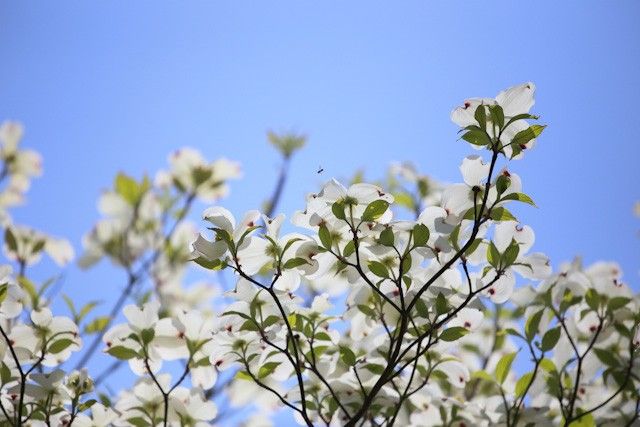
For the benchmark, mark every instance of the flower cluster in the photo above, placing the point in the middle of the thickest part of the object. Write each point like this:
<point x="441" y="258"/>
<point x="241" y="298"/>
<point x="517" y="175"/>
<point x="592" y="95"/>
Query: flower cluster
<point x="348" y="314"/>
<point x="18" y="167"/>
<point x="431" y="327"/>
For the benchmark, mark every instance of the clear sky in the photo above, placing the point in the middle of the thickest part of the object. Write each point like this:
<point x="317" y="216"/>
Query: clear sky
<point x="111" y="86"/>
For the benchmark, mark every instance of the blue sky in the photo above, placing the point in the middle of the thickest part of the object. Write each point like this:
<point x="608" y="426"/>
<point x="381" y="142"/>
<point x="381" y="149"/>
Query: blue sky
<point x="111" y="86"/>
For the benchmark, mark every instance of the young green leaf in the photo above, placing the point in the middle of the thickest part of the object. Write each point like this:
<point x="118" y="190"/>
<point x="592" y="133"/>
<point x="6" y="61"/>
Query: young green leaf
<point x="379" y="269"/>
<point x="10" y="240"/>
<point x="386" y="237"/>
<point x="325" y="236"/>
<point x="454" y="333"/>
<point x="493" y="255"/>
<point x="347" y="356"/>
<point x="420" y="235"/>
<point x="527" y="135"/>
<point x="520" y="197"/>
<point x="523" y="383"/>
<point x="57" y="346"/>
<point x="532" y="324"/>
<point x="592" y="299"/>
<point x="375" y="210"/>
<point x="497" y="115"/>
<point x="294" y="262"/>
<point x="550" y="339"/>
<point x="477" y="137"/>
<point x="122" y="353"/>
<point x="510" y="254"/>
<point x="147" y="335"/>
<point x="338" y="210"/>
<point x="504" y="366"/>
<point x="481" y="116"/>
<point x="266" y="369"/>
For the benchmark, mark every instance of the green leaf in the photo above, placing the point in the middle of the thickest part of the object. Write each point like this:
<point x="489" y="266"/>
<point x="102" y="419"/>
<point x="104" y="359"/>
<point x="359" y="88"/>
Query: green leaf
<point x="386" y="237"/>
<point x="592" y="299"/>
<point x="70" y="304"/>
<point x="289" y="243"/>
<point x="406" y="263"/>
<point x="3" y="292"/>
<point x="493" y="255"/>
<point x="607" y="357"/>
<point x="147" y="335"/>
<point x="122" y="353"/>
<point x="375" y="210"/>
<point x="504" y="366"/>
<point x="532" y="324"/>
<point x="420" y="235"/>
<point x="422" y="309"/>
<point x="10" y="240"/>
<point x="454" y="237"/>
<point x="375" y="368"/>
<point x="482" y="375"/>
<point x="138" y="422"/>
<point x="548" y="365"/>
<point x="523" y="116"/>
<point x="513" y="332"/>
<point x="481" y="116"/>
<point x="368" y="311"/>
<point x="510" y="254"/>
<point x="104" y="399"/>
<point x="294" y="262"/>
<point x="584" y="421"/>
<point x="473" y="247"/>
<point x="379" y="269"/>
<point x="550" y="339"/>
<point x="222" y="234"/>
<point x="477" y="137"/>
<point x="97" y="325"/>
<point x="520" y="197"/>
<point x="568" y="300"/>
<point x="497" y="115"/>
<point x="453" y="333"/>
<point x="441" y="304"/>
<point x="271" y="320"/>
<point x="347" y="356"/>
<point x="470" y="214"/>
<point x="267" y="369"/>
<point x="215" y="264"/>
<point x="128" y="188"/>
<point x="287" y="143"/>
<point x="242" y="375"/>
<point x="5" y="373"/>
<point x="86" y="309"/>
<point x="404" y="199"/>
<point x="322" y="336"/>
<point x="524" y="136"/>
<point x="30" y="289"/>
<point x="39" y="245"/>
<point x="338" y="210"/>
<point x="502" y="183"/>
<point x="349" y="248"/>
<point x="617" y="303"/>
<point x="523" y="383"/>
<point x="502" y="214"/>
<point x="515" y="150"/>
<point x="201" y="174"/>
<point x="86" y="404"/>
<point x="325" y="236"/>
<point x="57" y="346"/>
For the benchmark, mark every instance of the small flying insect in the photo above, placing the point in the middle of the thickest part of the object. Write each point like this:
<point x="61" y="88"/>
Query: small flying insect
<point x="320" y="170"/>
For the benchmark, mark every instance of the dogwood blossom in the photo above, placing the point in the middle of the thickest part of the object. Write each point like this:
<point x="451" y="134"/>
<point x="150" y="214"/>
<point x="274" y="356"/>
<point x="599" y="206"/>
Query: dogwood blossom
<point x="349" y="313"/>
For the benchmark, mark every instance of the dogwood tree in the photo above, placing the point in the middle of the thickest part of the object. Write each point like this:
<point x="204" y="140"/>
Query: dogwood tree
<point x="394" y="303"/>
